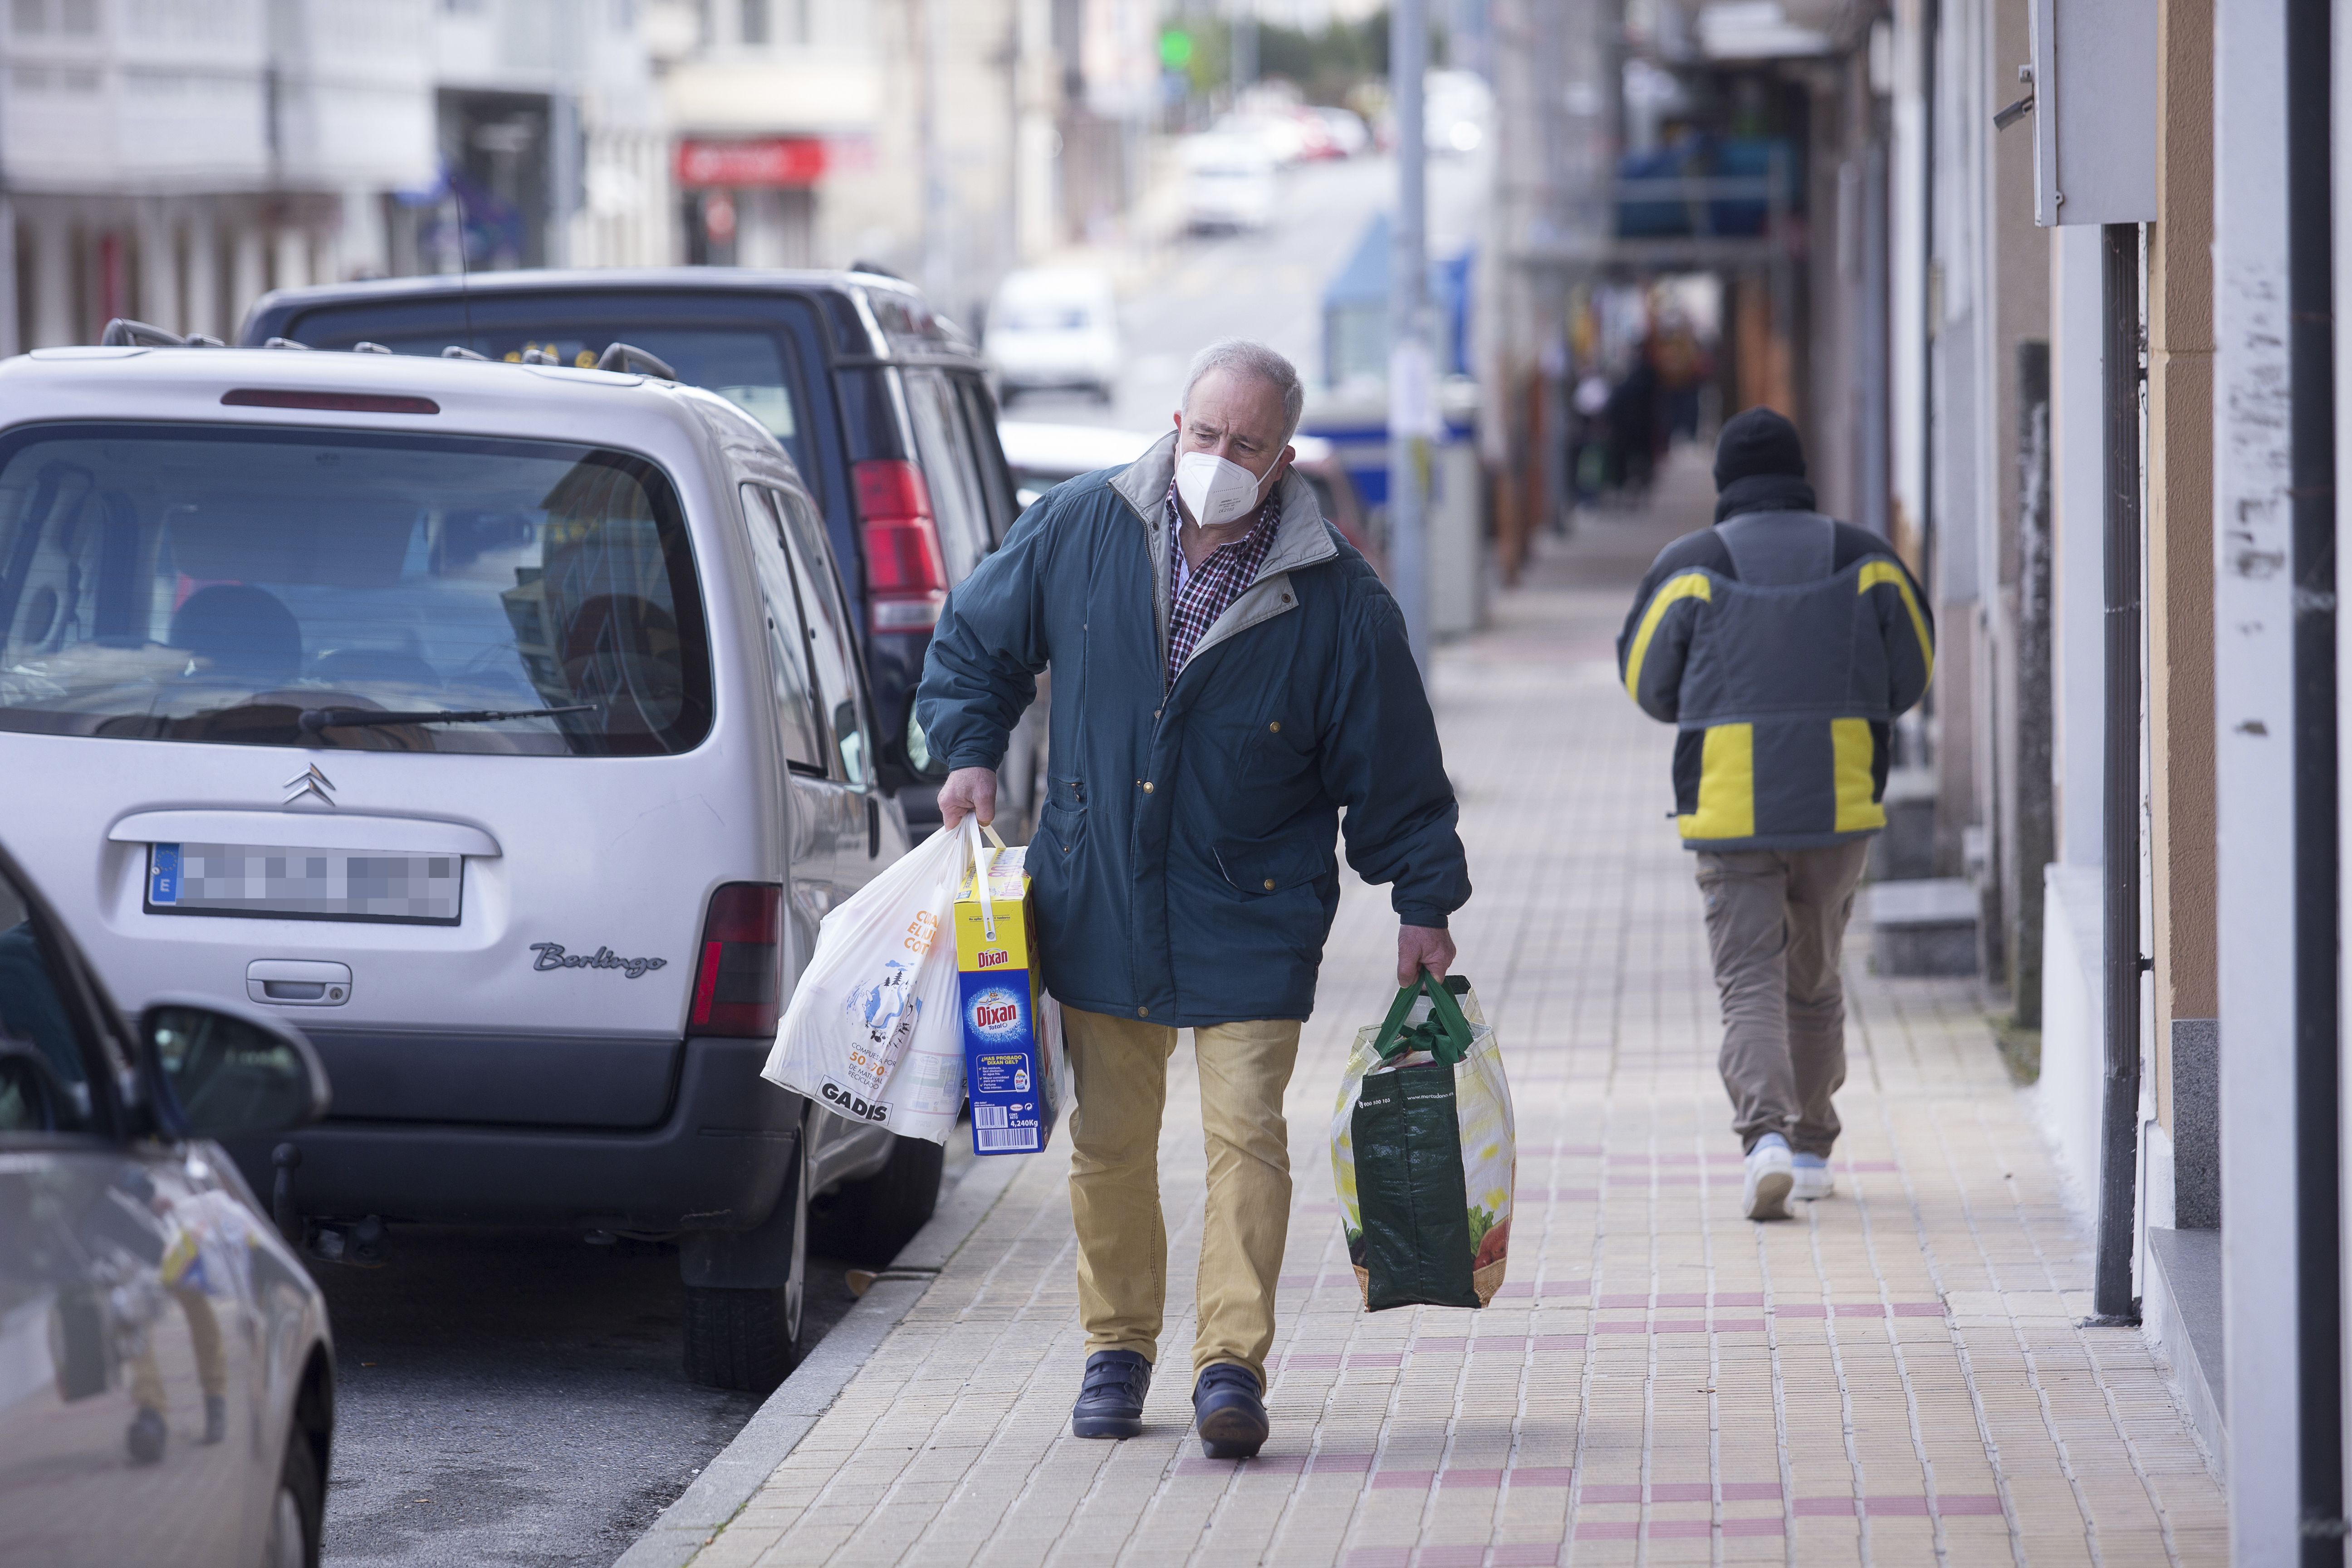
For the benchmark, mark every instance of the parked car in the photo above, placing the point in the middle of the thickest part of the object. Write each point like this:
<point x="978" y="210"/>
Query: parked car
<point x="1043" y="455"/>
<point x="1054" y="329"/>
<point x="1229" y="183"/>
<point x="1291" y="133"/>
<point x="882" y="406"/>
<point x="170" y="1393"/>
<point x="500" y="722"/>
<point x="1348" y="134"/>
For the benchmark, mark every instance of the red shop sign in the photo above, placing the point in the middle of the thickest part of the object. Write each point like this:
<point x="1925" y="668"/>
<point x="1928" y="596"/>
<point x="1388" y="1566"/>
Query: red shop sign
<point x="764" y="164"/>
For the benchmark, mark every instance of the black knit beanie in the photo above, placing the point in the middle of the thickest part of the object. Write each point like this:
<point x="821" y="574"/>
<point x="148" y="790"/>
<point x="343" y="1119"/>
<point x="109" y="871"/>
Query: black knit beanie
<point x="1758" y="441"/>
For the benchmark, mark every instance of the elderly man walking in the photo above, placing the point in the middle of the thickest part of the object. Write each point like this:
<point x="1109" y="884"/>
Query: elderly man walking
<point x="1784" y="644"/>
<point x="1228" y="674"/>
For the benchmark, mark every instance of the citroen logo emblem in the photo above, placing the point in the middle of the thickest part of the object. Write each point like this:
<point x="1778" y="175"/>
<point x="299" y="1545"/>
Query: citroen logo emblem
<point x="309" y="782"/>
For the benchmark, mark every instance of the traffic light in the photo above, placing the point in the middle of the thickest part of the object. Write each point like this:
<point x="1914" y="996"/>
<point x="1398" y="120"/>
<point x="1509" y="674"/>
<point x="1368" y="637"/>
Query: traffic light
<point x="1176" y="48"/>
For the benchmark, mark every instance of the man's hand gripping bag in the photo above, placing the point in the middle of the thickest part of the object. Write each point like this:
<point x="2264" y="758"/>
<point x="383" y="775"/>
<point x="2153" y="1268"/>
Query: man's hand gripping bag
<point x="873" y="1031"/>
<point x="1422" y="1152"/>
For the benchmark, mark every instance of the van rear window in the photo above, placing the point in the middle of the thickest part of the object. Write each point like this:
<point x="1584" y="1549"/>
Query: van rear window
<point x="343" y="589"/>
<point x="747" y="358"/>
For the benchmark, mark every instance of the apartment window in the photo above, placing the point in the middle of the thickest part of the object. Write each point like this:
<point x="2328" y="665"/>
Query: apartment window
<point x="755" y="20"/>
<point x="78" y="17"/>
<point x="28" y="15"/>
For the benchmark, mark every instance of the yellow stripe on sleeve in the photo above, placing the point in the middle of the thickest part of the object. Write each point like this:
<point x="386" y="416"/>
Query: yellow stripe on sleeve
<point x="1689" y="586"/>
<point x="1882" y="570"/>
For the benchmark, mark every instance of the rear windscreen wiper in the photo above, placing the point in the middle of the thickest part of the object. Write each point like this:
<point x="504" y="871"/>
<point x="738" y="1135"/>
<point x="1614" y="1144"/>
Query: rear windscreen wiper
<point x="314" y="720"/>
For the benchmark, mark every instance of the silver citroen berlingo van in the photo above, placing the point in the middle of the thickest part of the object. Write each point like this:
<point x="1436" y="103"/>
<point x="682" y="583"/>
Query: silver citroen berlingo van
<point x="499" y="724"/>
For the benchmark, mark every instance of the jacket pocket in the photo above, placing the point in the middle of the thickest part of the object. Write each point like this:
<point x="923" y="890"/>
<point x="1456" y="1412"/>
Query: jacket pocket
<point x="1062" y="826"/>
<point x="1688" y="746"/>
<point x="1258" y="868"/>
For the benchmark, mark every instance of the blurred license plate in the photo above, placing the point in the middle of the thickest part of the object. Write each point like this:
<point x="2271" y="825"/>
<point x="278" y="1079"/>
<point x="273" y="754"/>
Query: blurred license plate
<point x="292" y="883"/>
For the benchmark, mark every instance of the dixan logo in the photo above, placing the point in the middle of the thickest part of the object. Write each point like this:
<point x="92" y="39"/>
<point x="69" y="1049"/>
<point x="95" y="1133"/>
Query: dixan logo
<point x="996" y="960"/>
<point x="995" y="1013"/>
<point x="842" y="1100"/>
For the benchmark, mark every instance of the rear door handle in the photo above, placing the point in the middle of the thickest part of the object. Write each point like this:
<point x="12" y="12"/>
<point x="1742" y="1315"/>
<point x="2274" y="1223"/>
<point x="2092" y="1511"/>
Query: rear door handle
<point x="872" y="828"/>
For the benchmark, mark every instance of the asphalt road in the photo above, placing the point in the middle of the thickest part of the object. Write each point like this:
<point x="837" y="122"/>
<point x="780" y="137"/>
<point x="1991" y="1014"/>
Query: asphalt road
<point x="515" y="1398"/>
<point x="1267" y="286"/>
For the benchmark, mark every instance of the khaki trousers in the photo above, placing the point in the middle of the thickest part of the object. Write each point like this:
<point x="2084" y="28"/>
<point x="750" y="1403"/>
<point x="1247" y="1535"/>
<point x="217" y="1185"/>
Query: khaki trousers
<point x="1776" y="925"/>
<point x="205" y="1337"/>
<point x="1121" y="1070"/>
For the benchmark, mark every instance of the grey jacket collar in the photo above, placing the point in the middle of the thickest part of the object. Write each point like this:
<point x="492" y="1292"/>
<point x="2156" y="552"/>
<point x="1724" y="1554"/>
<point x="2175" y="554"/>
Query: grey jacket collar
<point x="1300" y="539"/>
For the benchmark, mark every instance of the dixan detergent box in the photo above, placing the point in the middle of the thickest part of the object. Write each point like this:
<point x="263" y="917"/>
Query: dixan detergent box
<point x="1012" y="1029"/>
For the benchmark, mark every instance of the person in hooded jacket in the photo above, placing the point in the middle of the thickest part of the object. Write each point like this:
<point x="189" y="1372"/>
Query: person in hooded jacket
<point x="1228" y="674"/>
<point x="1783" y="645"/>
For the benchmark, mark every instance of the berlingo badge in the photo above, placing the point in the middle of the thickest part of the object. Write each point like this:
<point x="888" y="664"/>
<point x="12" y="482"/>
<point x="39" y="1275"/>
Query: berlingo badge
<point x="552" y="957"/>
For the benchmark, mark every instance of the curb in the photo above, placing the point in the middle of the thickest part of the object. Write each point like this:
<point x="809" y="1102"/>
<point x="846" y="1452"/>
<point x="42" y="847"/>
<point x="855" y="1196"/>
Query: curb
<point x="775" y="1429"/>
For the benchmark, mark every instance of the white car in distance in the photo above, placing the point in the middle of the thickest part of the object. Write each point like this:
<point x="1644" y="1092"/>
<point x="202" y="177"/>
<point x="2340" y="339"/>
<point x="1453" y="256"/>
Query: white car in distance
<point x="1229" y="184"/>
<point x="1042" y="455"/>
<point x="1054" y="329"/>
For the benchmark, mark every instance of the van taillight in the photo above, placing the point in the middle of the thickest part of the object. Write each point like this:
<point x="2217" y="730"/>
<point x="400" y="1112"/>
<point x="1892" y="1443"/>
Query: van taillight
<point x="906" y="575"/>
<point x="738" y="986"/>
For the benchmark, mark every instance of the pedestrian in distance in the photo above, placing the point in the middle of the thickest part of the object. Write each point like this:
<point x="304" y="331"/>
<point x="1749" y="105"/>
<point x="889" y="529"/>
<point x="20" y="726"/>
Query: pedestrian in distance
<point x="1782" y="645"/>
<point x="1228" y="674"/>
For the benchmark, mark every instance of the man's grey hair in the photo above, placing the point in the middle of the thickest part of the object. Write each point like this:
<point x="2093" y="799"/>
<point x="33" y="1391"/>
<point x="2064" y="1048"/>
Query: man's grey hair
<point x="1244" y="357"/>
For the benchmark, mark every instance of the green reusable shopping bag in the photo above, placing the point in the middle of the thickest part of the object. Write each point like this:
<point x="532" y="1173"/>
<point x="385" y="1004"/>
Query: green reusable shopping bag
<point x="1413" y="1241"/>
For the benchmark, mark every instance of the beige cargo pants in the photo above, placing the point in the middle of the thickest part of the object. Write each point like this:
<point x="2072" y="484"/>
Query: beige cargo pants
<point x="1776" y="926"/>
<point x="1120" y="1066"/>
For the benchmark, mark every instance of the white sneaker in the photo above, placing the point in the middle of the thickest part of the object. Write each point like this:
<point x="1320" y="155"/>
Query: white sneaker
<point x="1814" y="1178"/>
<point x="1770" y="1175"/>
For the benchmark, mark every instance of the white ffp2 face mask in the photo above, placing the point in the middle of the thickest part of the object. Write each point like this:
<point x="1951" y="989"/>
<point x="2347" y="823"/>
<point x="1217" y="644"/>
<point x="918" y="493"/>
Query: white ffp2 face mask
<point x="1216" y="489"/>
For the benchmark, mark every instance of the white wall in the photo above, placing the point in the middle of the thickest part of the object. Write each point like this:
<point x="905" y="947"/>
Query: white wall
<point x="2077" y="567"/>
<point x="2074" y="1003"/>
<point x="1908" y="266"/>
<point x="2252" y="715"/>
<point x="2066" y="1100"/>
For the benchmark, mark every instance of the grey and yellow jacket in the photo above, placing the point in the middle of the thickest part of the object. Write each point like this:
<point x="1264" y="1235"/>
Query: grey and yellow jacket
<point x="1784" y="644"/>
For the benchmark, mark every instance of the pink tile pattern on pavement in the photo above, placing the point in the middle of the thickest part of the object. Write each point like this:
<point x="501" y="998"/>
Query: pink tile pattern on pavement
<point x="1894" y="1376"/>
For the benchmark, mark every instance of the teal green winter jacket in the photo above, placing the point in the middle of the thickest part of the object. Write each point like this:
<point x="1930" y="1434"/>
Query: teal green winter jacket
<point x="1784" y="644"/>
<point x="1185" y="864"/>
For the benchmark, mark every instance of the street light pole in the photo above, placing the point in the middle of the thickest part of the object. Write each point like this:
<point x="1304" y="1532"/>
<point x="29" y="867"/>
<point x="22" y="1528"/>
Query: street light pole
<point x="939" y="257"/>
<point x="1412" y="393"/>
<point x="1244" y="48"/>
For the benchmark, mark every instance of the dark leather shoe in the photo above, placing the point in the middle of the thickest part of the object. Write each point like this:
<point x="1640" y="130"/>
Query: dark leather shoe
<point x="1110" y="1399"/>
<point x="1230" y="1410"/>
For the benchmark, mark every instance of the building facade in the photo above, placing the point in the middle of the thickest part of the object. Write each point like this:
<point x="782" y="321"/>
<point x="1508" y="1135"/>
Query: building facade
<point x="169" y="160"/>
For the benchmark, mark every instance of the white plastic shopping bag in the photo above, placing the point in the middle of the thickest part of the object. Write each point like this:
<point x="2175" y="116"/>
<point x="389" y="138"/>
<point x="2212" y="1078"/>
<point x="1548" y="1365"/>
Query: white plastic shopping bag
<point x="873" y="1031"/>
<point x="1424" y="1152"/>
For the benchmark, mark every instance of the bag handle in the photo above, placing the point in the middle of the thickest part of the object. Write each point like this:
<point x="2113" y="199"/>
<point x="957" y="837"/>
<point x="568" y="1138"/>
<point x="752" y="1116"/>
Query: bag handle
<point x="971" y="830"/>
<point x="1445" y="1034"/>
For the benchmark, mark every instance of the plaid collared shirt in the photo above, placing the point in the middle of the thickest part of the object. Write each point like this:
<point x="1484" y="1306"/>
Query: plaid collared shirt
<point x="1201" y="593"/>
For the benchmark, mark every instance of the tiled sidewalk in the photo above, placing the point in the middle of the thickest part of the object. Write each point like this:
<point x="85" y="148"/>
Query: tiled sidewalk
<point x="1894" y="1377"/>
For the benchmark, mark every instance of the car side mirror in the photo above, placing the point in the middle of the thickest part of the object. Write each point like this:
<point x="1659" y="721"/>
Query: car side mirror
<point x="213" y="1072"/>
